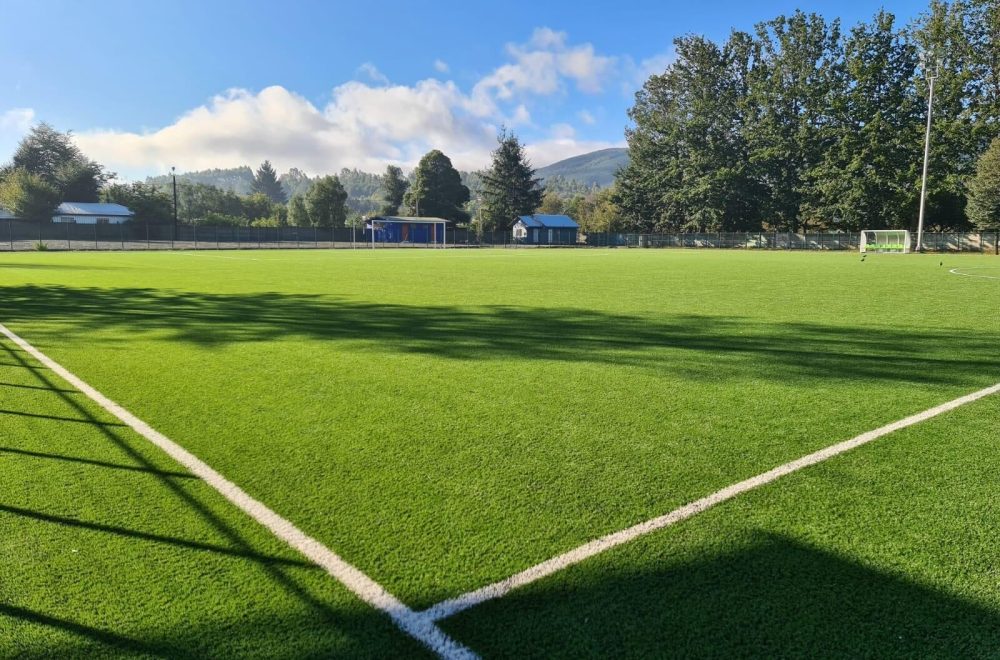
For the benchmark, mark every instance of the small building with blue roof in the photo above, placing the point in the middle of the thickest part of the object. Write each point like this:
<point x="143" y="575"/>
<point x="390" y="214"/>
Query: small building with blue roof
<point x="539" y="229"/>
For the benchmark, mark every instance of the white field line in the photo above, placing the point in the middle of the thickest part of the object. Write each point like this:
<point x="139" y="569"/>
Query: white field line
<point x="455" y="605"/>
<point x="416" y="625"/>
<point x="956" y="271"/>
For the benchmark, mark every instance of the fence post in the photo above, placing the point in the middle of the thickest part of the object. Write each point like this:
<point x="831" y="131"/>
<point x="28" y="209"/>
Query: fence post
<point x="121" y="234"/>
<point x="196" y="237"/>
<point x="69" y="244"/>
<point x="217" y="237"/>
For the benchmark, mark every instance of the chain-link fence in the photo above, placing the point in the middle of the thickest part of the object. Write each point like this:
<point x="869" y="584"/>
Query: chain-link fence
<point x="938" y="242"/>
<point x="17" y="235"/>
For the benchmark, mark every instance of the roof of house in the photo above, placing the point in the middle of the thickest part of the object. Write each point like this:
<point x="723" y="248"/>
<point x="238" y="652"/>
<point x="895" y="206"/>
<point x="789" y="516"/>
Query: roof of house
<point x="86" y="208"/>
<point x="549" y="221"/>
<point x="6" y="215"/>
<point x="409" y="219"/>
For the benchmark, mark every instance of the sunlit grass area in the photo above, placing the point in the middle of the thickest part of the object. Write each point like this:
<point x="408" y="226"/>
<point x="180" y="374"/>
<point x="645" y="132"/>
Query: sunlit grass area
<point x="443" y="419"/>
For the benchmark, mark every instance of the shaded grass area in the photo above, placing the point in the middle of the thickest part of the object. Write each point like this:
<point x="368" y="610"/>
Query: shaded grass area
<point x="888" y="551"/>
<point x="110" y="550"/>
<point x="498" y="332"/>
<point x="444" y="420"/>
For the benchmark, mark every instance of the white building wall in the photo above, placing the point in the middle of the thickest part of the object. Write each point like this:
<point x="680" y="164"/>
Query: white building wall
<point x="90" y="219"/>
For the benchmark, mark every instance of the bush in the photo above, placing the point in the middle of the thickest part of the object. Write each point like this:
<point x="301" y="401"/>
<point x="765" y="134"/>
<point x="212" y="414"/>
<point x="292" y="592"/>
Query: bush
<point x="41" y="247"/>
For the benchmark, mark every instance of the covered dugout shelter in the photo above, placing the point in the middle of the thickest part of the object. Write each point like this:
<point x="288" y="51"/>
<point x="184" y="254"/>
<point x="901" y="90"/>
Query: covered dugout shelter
<point x="407" y="230"/>
<point x="545" y="230"/>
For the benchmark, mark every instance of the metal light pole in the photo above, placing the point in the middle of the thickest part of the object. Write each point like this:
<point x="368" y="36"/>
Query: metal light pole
<point x="173" y="174"/>
<point x="931" y="77"/>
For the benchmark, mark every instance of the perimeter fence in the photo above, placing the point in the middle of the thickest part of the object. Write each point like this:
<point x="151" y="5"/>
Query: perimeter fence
<point x="22" y="236"/>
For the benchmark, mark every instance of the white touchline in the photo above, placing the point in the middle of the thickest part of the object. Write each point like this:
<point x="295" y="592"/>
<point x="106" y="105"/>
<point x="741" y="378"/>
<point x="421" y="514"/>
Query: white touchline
<point x="455" y="605"/>
<point x="417" y="625"/>
<point x="956" y="271"/>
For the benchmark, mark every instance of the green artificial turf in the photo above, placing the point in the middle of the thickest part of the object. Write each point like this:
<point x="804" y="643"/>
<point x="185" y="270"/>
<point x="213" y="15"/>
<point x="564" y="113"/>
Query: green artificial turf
<point x="445" y="419"/>
<point x="109" y="549"/>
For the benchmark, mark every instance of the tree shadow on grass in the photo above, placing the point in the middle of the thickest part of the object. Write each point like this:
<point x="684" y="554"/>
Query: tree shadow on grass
<point x="688" y="345"/>
<point x="775" y="597"/>
<point x="315" y="628"/>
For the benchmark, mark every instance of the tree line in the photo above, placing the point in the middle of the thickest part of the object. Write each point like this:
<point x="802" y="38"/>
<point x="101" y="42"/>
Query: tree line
<point x="797" y="125"/>
<point x="802" y="125"/>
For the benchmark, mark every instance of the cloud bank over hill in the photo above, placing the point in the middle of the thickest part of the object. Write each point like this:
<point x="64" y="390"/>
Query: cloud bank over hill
<point x="369" y="123"/>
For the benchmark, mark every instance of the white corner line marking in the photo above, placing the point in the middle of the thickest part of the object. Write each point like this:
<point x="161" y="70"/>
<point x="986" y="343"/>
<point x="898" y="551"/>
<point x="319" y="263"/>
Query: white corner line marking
<point x="416" y="625"/>
<point x="453" y="606"/>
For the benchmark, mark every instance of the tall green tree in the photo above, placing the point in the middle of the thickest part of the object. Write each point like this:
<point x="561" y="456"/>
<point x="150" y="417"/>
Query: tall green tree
<point x="53" y="157"/>
<point x="394" y="186"/>
<point x="298" y="214"/>
<point x="942" y="35"/>
<point x="326" y="203"/>
<point x="28" y="196"/>
<point x="689" y="163"/>
<point x="265" y="182"/>
<point x="792" y="88"/>
<point x="867" y="175"/>
<point x="437" y="189"/>
<point x="984" y="190"/>
<point x="510" y="188"/>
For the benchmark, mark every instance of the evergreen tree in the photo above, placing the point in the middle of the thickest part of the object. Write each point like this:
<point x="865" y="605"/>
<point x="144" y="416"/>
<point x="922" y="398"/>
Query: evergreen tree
<point x="957" y="137"/>
<point x="52" y="156"/>
<point x="510" y="188"/>
<point x="791" y="90"/>
<point x="325" y="202"/>
<point x="298" y="214"/>
<point x="437" y="189"/>
<point x="984" y="190"/>
<point x="394" y="186"/>
<point x="867" y="174"/>
<point x="265" y="182"/>
<point x="689" y="164"/>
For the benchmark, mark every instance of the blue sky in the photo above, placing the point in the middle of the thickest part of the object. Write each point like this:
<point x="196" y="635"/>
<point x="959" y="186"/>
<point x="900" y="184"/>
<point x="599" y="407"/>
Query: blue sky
<point x="323" y="85"/>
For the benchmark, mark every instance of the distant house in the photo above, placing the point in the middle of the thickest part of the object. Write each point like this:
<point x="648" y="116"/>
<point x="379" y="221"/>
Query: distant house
<point x="404" y="229"/>
<point x="545" y="230"/>
<point x="85" y="213"/>
<point x="6" y="215"/>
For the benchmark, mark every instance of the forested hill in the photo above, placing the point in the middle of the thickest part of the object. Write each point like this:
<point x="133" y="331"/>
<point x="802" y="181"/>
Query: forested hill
<point x="596" y="168"/>
<point x="576" y="174"/>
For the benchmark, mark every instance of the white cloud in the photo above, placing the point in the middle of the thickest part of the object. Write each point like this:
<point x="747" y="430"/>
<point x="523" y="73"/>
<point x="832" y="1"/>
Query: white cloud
<point x="540" y="66"/>
<point x="14" y="124"/>
<point x="563" y="132"/>
<point x="370" y="70"/>
<point x="587" y="117"/>
<point x="367" y="123"/>
<point x="441" y="66"/>
<point x="17" y="120"/>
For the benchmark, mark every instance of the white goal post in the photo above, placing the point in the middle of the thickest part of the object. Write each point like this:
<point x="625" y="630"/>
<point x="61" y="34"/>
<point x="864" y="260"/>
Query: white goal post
<point x="885" y="240"/>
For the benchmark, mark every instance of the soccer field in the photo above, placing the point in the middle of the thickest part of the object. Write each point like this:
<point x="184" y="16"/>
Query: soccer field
<point x="444" y="420"/>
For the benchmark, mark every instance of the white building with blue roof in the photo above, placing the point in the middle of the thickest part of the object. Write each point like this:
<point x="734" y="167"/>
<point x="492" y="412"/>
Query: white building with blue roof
<point x="539" y="229"/>
<point x="86" y="213"/>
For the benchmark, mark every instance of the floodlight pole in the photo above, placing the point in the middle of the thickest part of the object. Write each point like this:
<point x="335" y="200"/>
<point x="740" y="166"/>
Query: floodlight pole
<point x="927" y="158"/>
<point x="173" y="174"/>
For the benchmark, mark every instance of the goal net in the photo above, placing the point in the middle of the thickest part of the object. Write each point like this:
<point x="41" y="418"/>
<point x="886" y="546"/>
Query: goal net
<point x="885" y="240"/>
